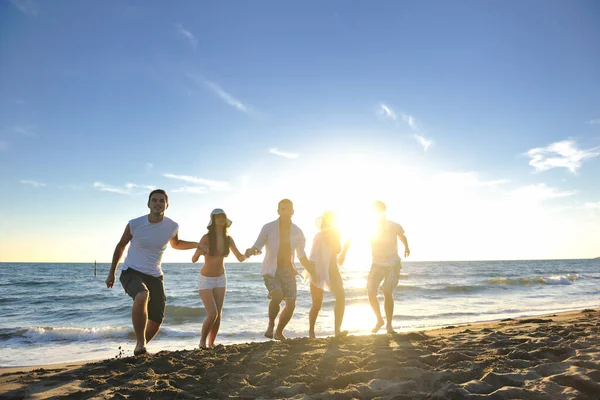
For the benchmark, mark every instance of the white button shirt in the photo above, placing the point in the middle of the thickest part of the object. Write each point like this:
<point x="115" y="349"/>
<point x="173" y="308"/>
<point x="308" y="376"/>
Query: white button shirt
<point x="269" y="238"/>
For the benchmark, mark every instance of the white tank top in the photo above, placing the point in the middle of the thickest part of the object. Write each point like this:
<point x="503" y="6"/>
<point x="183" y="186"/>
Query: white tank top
<point x="148" y="244"/>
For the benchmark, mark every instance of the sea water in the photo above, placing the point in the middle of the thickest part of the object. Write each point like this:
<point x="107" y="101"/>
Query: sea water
<point x="53" y="313"/>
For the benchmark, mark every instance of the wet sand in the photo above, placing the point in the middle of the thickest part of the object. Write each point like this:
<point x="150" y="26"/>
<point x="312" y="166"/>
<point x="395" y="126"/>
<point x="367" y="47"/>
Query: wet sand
<point x="550" y="357"/>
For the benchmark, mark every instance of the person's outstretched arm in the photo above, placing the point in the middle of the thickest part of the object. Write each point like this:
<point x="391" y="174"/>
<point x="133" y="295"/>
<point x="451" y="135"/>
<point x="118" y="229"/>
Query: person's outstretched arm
<point x="125" y="239"/>
<point x="301" y="254"/>
<point x="201" y="250"/>
<point x="342" y="255"/>
<point x="235" y="250"/>
<point x="179" y="244"/>
<point x="259" y="244"/>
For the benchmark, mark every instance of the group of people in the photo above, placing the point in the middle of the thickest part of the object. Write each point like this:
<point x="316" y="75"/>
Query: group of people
<point x="142" y="277"/>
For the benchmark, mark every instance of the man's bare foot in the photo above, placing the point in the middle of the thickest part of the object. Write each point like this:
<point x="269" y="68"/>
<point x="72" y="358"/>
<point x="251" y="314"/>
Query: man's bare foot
<point x="311" y="335"/>
<point x="378" y="326"/>
<point x="390" y="330"/>
<point x="202" y="345"/>
<point x="279" y="336"/>
<point x="341" y="334"/>
<point x="269" y="332"/>
<point x="139" y="351"/>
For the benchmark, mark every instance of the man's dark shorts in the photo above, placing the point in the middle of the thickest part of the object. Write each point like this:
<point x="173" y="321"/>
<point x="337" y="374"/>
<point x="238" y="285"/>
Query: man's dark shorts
<point x="284" y="280"/>
<point x="134" y="282"/>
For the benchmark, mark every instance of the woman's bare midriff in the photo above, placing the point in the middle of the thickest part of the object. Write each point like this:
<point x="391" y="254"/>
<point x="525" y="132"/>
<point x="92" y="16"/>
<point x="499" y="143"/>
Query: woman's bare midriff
<point x="213" y="266"/>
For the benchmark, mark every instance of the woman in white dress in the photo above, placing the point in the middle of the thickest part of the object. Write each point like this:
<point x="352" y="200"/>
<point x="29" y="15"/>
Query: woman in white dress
<point x="326" y="275"/>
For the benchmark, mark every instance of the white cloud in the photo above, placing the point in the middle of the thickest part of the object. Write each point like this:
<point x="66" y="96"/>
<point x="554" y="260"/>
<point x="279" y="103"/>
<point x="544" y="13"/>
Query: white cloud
<point x="226" y="97"/>
<point x="410" y="120"/>
<point x="563" y="154"/>
<point x="188" y="35"/>
<point x="594" y="121"/>
<point x="538" y="193"/>
<point x="27" y="7"/>
<point x="593" y="206"/>
<point x="387" y="112"/>
<point x="24" y="130"/>
<point x="3" y="145"/>
<point x="223" y="95"/>
<point x="128" y="188"/>
<point x="191" y="189"/>
<point x="207" y="183"/>
<point x="283" y="153"/>
<point x="33" y="183"/>
<point x="465" y="179"/>
<point x="424" y="142"/>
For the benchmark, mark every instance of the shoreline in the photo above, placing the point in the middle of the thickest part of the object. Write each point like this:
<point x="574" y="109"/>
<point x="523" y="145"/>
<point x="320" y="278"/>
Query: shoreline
<point x="444" y="329"/>
<point x="555" y="355"/>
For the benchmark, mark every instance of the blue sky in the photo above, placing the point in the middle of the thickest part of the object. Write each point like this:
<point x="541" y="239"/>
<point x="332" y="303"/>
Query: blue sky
<point x="478" y="123"/>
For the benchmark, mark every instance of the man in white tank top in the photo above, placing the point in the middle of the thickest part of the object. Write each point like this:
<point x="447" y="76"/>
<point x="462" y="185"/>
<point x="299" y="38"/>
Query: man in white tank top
<point x="386" y="266"/>
<point x="142" y="275"/>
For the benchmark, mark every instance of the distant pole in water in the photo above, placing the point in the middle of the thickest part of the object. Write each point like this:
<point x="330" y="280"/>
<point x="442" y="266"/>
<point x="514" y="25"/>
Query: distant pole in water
<point x="94" y="267"/>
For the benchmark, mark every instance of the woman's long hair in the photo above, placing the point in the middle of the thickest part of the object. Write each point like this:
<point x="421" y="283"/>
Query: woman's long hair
<point x="212" y="239"/>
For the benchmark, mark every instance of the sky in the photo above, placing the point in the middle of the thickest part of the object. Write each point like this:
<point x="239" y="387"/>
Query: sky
<point x="476" y="122"/>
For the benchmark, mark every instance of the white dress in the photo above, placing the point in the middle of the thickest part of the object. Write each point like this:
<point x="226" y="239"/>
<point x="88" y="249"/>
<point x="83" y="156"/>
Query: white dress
<point x="320" y="254"/>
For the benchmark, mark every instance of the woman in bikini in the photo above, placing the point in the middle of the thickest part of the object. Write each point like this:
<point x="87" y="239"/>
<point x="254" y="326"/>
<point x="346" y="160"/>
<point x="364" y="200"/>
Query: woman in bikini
<point x="326" y="276"/>
<point x="212" y="281"/>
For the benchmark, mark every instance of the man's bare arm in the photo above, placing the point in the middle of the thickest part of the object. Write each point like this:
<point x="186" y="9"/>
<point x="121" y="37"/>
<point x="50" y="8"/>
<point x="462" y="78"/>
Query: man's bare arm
<point x="404" y="241"/>
<point x="179" y="244"/>
<point x="259" y="244"/>
<point x="307" y="264"/>
<point x="119" y="249"/>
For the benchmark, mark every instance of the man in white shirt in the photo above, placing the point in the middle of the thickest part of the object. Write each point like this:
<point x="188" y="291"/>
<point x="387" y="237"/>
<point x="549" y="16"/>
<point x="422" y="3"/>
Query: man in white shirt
<point x="142" y="275"/>
<point x="281" y="238"/>
<point x="386" y="265"/>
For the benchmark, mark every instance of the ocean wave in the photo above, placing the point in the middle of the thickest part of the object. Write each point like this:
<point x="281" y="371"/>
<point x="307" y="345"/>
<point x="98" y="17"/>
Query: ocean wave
<point x="41" y="334"/>
<point x="183" y="312"/>
<point x="47" y="334"/>
<point x="538" y="280"/>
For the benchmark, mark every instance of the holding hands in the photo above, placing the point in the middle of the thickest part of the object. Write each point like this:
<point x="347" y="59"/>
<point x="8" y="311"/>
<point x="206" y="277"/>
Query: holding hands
<point x="252" y="252"/>
<point x="203" y="248"/>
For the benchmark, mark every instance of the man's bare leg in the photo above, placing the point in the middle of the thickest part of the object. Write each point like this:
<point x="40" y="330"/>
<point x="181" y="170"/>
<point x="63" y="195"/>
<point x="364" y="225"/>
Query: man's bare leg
<point x="374" y="302"/>
<point x="389" y="309"/>
<point x="274" y="306"/>
<point x="284" y="318"/>
<point x="139" y="318"/>
<point x="152" y="328"/>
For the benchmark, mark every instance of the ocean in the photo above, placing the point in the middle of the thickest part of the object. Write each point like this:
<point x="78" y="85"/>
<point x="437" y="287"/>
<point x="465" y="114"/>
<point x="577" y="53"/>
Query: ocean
<point x="54" y="313"/>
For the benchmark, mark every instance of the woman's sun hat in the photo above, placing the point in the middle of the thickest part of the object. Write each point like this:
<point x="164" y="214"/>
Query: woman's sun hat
<point x="328" y="216"/>
<point x="218" y="211"/>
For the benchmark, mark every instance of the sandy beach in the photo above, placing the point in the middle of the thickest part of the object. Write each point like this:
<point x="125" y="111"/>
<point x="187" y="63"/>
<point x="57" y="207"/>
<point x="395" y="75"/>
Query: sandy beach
<point x="550" y="357"/>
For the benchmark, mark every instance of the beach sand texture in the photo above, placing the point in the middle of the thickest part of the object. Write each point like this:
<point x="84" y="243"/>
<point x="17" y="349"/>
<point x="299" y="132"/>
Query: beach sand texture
<point x="551" y="357"/>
